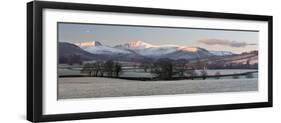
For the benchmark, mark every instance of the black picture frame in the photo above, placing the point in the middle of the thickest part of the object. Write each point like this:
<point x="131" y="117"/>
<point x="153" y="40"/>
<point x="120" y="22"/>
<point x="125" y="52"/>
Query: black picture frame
<point x="34" y="60"/>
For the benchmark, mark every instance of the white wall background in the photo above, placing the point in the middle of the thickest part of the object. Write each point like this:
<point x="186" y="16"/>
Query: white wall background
<point x="13" y="61"/>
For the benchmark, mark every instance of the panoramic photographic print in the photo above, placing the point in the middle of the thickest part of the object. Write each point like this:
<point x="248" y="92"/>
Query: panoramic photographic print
<point x="103" y="60"/>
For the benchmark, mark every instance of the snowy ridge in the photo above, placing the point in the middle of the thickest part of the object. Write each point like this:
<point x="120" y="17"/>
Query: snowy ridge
<point x="150" y="50"/>
<point x="88" y="44"/>
<point x="105" y="50"/>
<point x="96" y="47"/>
<point x="221" y="53"/>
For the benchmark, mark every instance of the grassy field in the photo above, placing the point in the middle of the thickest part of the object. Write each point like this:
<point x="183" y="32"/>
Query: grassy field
<point x="93" y="87"/>
<point x="141" y="73"/>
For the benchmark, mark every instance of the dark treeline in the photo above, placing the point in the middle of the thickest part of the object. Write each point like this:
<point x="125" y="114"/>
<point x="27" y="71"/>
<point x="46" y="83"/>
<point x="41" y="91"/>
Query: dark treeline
<point x="221" y="65"/>
<point x="162" y="69"/>
<point x="167" y="69"/>
<point x="102" y="68"/>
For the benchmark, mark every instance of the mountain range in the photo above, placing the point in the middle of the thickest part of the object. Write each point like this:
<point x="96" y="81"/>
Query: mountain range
<point x="136" y="50"/>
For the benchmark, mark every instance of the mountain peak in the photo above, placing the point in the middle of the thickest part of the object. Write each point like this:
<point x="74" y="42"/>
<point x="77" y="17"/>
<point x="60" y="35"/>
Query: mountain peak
<point x="221" y="53"/>
<point x="188" y="48"/>
<point x="88" y="44"/>
<point x="138" y="44"/>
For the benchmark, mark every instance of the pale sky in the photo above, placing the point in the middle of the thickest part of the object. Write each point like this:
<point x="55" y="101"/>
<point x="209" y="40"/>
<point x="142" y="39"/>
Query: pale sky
<point x="111" y="35"/>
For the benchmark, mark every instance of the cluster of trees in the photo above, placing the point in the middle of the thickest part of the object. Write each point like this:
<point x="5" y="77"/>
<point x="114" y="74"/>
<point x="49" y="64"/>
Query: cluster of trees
<point x="221" y="65"/>
<point x="166" y="69"/>
<point x="163" y="69"/>
<point x="101" y="68"/>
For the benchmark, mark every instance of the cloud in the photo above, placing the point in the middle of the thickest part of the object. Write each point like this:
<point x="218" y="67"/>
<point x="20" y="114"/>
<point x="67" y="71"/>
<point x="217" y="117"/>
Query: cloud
<point x="214" y="41"/>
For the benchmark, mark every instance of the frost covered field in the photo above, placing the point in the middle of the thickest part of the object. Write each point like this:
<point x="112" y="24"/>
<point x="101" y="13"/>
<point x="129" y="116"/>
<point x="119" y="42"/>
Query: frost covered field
<point x="90" y="87"/>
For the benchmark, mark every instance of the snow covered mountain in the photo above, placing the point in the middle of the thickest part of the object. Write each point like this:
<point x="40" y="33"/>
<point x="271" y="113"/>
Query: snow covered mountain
<point x="139" y="49"/>
<point x="221" y="53"/>
<point x="88" y="44"/>
<point x="164" y="51"/>
<point x="69" y="51"/>
<point x="146" y="49"/>
<point x="96" y="47"/>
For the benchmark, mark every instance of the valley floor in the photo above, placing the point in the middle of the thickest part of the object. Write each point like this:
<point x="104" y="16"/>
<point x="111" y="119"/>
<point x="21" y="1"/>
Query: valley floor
<point x="93" y="87"/>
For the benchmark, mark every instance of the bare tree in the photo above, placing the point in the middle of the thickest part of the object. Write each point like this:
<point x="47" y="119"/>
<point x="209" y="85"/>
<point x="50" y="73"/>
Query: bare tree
<point x="248" y="63"/>
<point x="145" y="66"/>
<point x="117" y="69"/>
<point x="108" y="68"/>
<point x="204" y="74"/>
<point x="88" y="68"/>
<point x="96" y="69"/>
<point x="100" y="68"/>
<point x="180" y="67"/>
<point x="191" y="72"/>
<point x="163" y="68"/>
<point x="217" y="74"/>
